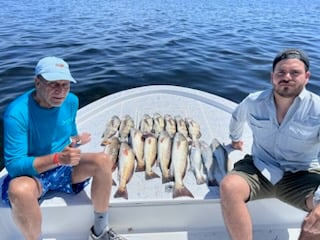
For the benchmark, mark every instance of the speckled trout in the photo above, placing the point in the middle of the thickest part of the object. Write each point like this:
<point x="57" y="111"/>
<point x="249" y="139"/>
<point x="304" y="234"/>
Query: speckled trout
<point x="196" y="164"/>
<point x="221" y="159"/>
<point x="208" y="162"/>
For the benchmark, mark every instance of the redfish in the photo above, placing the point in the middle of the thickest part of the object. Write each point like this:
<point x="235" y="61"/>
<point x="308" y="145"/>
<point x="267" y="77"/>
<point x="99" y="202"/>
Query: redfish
<point x="125" y="169"/>
<point x="179" y="163"/>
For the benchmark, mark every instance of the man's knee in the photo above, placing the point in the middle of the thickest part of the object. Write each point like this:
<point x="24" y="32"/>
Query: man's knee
<point x="103" y="161"/>
<point x="23" y="188"/>
<point x="233" y="184"/>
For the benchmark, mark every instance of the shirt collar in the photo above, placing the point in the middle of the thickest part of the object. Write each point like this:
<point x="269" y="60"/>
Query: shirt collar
<point x="303" y="94"/>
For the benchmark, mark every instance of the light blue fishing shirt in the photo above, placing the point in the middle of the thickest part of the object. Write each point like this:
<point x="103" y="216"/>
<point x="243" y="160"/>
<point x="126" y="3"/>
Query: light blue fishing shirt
<point x="292" y="145"/>
<point x="31" y="131"/>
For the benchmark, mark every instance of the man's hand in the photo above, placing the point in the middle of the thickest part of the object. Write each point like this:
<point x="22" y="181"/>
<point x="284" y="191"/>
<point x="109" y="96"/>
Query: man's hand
<point x="81" y="139"/>
<point x="310" y="229"/>
<point x="70" y="156"/>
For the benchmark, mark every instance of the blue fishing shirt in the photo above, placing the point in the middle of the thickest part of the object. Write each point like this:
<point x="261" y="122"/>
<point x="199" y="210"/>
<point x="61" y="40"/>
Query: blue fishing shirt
<point x="31" y="131"/>
<point x="292" y="145"/>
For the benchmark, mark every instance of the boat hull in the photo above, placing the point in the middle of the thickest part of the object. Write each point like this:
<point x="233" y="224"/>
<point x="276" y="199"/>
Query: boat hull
<point x="151" y="212"/>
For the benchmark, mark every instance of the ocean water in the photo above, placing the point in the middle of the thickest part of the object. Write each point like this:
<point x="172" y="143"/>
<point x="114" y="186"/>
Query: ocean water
<point x="224" y="47"/>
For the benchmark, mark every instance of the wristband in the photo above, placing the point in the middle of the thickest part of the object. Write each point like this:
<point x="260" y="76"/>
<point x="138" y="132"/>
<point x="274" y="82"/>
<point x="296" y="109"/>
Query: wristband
<point x="56" y="159"/>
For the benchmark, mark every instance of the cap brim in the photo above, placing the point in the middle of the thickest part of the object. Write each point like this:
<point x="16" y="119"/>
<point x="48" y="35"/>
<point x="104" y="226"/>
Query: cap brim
<point x="57" y="77"/>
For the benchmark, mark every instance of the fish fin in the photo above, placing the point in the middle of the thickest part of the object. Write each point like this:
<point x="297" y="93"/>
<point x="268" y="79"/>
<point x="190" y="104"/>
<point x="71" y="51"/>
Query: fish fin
<point x="151" y="175"/>
<point x="182" y="192"/>
<point x="114" y="166"/>
<point x="121" y="193"/>
<point x="145" y="135"/>
<point x="114" y="182"/>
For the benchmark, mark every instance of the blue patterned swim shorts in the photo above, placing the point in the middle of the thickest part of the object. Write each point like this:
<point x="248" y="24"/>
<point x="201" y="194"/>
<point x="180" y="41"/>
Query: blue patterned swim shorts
<point x="58" y="179"/>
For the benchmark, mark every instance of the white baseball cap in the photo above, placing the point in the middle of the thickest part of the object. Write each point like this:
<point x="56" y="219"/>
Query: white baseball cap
<point x="54" y="69"/>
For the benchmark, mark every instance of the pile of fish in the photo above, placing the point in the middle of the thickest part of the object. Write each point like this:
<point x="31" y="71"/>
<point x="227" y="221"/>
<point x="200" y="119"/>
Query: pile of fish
<point x="170" y="143"/>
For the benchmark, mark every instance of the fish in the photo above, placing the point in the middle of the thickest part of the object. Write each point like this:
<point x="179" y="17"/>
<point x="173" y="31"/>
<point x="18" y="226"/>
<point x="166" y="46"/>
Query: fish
<point x="149" y="155"/>
<point x="137" y="144"/>
<point x="193" y="129"/>
<point x="208" y="162"/>
<point x="221" y="160"/>
<point x="170" y="125"/>
<point x="125" y="169"/>
<point x="112" y="150"/>
<point x="124" y="129"/>
<point x="111" y="130"/>
<point x="164" y="155"/>
<point x="146" y="124"/>
<point x="158" y="124"/>
<point x="196" y="164"/>
<point x="179" y="163"/>
<point x="112" y="146"/>
<point x="181" y="126"/>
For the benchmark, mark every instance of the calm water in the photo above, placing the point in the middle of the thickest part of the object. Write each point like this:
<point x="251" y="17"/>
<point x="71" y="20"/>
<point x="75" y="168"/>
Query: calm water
<point x="219" y="46"/>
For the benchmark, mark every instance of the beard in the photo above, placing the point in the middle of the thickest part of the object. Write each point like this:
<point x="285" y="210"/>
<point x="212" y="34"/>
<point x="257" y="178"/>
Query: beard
<point x="288" y="91"/>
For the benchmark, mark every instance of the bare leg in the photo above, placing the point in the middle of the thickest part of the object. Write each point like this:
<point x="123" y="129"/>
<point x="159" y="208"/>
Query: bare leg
<point x="98" y="166"/>
<point x="234" y="191"/>
<point x="310" y="232"/>
<point x="24" y="193"/>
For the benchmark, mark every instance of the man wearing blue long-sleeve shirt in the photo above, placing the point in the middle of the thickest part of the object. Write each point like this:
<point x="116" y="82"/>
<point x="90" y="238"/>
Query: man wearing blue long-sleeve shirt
<point x="40" y="135"/>
<point x="285" y="122"/>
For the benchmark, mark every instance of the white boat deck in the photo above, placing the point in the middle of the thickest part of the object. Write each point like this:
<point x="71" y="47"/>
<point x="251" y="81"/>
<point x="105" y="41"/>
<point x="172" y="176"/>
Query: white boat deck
<point x="150" y="211"/>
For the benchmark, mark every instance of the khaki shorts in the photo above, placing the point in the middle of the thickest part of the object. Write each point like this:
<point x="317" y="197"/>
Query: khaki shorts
<point x="293" y="188"/>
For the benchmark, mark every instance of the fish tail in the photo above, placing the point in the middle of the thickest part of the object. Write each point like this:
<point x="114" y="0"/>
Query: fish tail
<point x="213" y="183"/>
<point x="140" y="168"/>
<point x="182" y="192"/>
<point x="121" y="193"/>
<point x="166" y="179"/>
<point x="201" y="180"/>
<point x="151" y="175"/>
